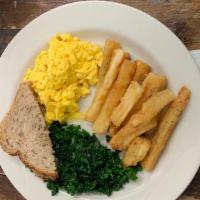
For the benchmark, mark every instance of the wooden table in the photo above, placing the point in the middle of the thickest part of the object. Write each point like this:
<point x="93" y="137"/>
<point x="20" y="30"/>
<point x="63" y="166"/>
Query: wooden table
<point x="181" y="16"/>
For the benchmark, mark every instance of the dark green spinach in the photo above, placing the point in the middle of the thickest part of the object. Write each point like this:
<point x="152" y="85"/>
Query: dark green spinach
<point x="84" y="165"/>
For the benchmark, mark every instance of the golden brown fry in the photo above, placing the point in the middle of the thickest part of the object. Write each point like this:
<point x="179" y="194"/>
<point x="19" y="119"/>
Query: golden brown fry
<point x="152" y="107"/>
<point x="166" y="127"/>
<point x="102" y="92"/>
<point x="130" y="98"/>
<point x="119" y="87"/>
<point x="136" y="152"/>
<point x="141" y="72"/>
<point x="123" y="138"/>
<point x="110" y="46"/>
<point x="152" y="84"/>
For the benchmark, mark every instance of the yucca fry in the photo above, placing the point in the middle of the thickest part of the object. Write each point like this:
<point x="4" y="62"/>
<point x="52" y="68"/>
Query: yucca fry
<point x="153" y="83"/>
<point x="165" y="128"/>
<point x="126" y="73"/>
<point x="136" y="151"/>
<point x="141" y="71"/>
<point x="122" y="139"/>
<point x="152" y="107"/>
<point x="130" y="98"/>
<point x="110" y="46"/>
<point x="102" y="92"/>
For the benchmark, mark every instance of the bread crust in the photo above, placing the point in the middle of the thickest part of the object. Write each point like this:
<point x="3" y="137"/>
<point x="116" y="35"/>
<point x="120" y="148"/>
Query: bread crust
<point x="44" y="174"/>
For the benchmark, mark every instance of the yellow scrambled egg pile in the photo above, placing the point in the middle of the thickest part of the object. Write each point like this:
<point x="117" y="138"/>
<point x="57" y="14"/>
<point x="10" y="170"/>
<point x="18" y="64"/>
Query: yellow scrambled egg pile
<point x="63" y="74"/>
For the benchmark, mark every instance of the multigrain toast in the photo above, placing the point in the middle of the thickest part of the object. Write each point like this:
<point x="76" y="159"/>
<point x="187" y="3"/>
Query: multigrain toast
<point x="23" y="132"/>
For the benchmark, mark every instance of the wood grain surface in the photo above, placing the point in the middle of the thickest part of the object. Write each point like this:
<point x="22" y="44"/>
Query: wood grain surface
<point x="7" y="191"/>
<point x="1" y="171"/>
<point x="181" y="16"/>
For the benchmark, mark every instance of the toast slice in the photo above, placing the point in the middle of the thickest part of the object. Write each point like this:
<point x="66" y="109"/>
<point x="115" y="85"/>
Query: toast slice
<point x="23" y="132"/>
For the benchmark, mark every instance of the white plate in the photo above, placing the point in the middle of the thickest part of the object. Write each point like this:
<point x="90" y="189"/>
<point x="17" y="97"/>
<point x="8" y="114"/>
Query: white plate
<point x="145" y="38"/>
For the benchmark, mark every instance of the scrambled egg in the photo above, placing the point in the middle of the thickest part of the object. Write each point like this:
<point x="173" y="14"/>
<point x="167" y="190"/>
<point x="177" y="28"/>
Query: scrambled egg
<point x="63" y="74"/>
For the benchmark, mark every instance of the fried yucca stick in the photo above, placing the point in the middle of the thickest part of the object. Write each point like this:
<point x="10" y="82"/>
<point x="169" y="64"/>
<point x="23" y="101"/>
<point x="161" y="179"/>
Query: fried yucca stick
<point x="152" y="107"/>
<point x="102" y="92"/>
<point x="126" y="134"/>
<point x="126" y="73"/>
<point x="110" y="46"/>
<point x="141" y="72"/>
<point x="166" y="127"/>
<point x="136" y="151"/>
<point x="151" y="84"/>
<point x="127" y="102"/>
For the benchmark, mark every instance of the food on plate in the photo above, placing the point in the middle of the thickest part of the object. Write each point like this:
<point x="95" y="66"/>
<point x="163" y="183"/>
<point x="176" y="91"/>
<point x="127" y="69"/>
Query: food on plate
<point x="122" y="139"/>
<point x="151" y="84"/>
<point x="129" y="114"/>
<point x="136" y="152"/>
<point x="166" y="127"/>
<point x="62" y="74"/>
<point x="118" y="89"/>
<point x="102" y="92"/>
<point x="141" y="72"/>
<point x="131" y="102"/>
<point x="152" y="107"/>
<point x="131" y="97"/>
<point x="84" y="165"/>
<point x="143" y="119"/>
<point x="24" y="133"/>
<point x="109" y="47"/>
